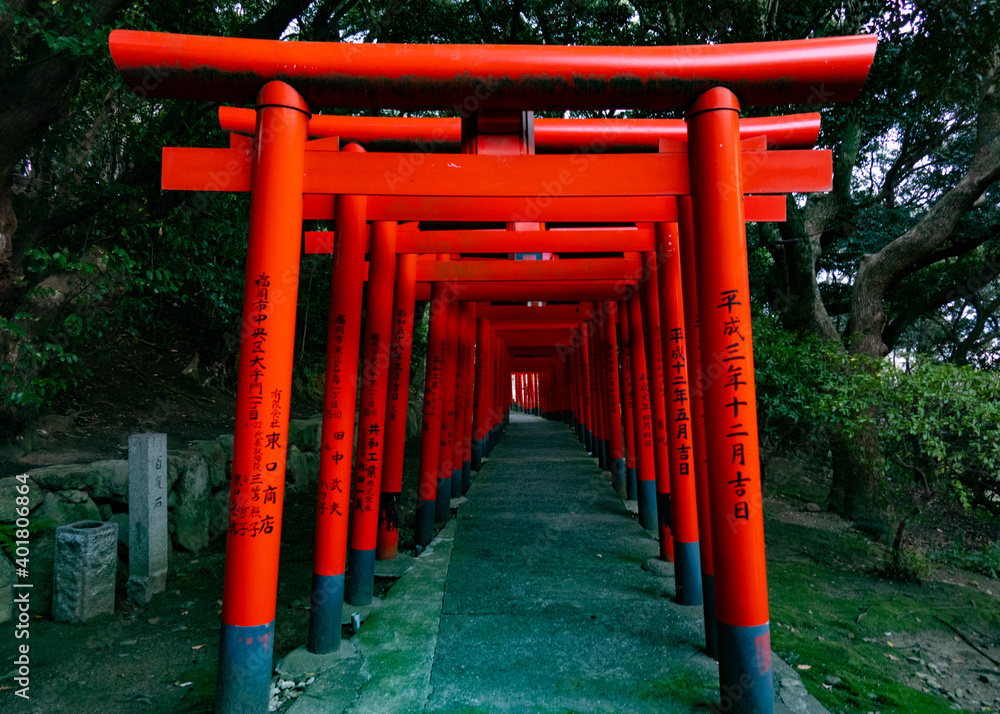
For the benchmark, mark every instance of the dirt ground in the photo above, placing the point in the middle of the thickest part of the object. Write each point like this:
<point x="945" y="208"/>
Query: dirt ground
<point x="855" y="637"/>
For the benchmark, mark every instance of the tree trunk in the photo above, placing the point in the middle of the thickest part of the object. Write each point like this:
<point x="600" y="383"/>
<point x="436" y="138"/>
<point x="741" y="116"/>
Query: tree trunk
<point x="859" y="490"/>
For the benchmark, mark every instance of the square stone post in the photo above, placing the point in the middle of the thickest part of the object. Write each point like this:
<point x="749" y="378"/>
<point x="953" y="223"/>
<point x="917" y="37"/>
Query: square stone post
<point x="148" y="541"/>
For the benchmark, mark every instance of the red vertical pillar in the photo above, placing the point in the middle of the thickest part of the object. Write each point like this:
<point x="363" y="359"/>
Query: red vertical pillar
<point x="338" y="424"/>
<point x="267" y="342"/>
<point x="397" y="406"/>
<point x="588" y="402"/>
<point x="625" y="383"/>
<point x="458" y="429"/>
<point x="700" y="465"/>
<point x="480" y="426"/>
<point x="730" y="403"/>
<point x="446" y="455"/>
<point x="360" y="577"/>
<point x="677" y="399"/>
<point x="600" y="393"/>
<point x="642" y="418"/>
<point x="468" y="384"/>
<point x="654" y="368"/>
<point x="430" y="441"/>
<point x="616" y="453"/>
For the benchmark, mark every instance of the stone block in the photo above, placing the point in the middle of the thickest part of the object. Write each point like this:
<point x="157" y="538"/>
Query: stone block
<point x="60" y="477"/>
<point x="218" y="520"/>
<point x="305" y="433"/>
<point x="112" y="481"/>
<point x="296" y="469"/>
<point x="43" y="549"/>
<point x="9" y="492"/>
<point x="8" y="576"/>
<point x="122" y="520"/>
<point x="86" y="562"/>
<point x="215" y="457"/>
<point x="148" y="542"/>
<point x="65" y="507"/>
<point x="192" y="509"/>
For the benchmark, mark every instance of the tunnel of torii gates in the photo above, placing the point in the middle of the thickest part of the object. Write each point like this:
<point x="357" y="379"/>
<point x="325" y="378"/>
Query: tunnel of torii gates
<point x="592" y="271"/>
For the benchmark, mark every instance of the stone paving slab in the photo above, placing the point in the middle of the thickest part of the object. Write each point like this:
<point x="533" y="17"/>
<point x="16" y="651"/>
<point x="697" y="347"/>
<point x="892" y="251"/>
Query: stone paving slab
<point x="512" y="610"/>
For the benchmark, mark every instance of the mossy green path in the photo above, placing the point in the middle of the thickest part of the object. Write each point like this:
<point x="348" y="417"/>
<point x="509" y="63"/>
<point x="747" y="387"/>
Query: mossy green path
<point x="534" y="599"/>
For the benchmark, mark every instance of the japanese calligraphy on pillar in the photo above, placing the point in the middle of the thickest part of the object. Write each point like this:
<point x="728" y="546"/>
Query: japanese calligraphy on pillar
<point x="396" y="344"/>
<point x="369" y="460"/>
<point x="735" y="364"/>
<point x="677" y="393"/>
<point x="253" y="496"/>
<point x="336" y="450"/>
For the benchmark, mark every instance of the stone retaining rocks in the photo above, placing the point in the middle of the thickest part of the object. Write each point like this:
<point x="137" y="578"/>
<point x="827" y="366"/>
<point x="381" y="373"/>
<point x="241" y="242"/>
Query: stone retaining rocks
<point x="197" y="498"/>
<point x="8" y="493"/>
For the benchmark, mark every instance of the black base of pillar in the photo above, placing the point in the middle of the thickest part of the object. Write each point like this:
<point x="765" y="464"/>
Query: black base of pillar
<point x="646" y="493"/>
<point x="466" y="476"/>
<point x="359" y="582"/>
<point x="631" y="491"/>
<point x="745" y="678"/>
<point x="477" y="455"/>
<point x="687" y="571"/>
<point x="423" y="522"/>
<point x="325" y="612"/>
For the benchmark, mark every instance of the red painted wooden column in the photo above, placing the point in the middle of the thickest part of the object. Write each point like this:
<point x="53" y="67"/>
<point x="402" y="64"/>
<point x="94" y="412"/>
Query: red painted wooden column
<point x="700" y="463"/>
<point x="730" y="403"/>
<point x="397" y="406"/>
<point x="469" y="377"/>
<point x="625" y="384"/>
<point x="337" y="440"/>
<point x="588" y="402"/>
<point x="642" y="418"/>
<point x="375" y="347"/>
<point x="677" y="398"/>
<point x="654" y="368"/>
<point x="616" y="454"/>
<point x="446" y="453"/>
<point x="458" y="430"/>
<point x="600" y="386"/>
<point x="430" y="441"/>
<point x="480" y="407"/>
<point x="263" y="389"/>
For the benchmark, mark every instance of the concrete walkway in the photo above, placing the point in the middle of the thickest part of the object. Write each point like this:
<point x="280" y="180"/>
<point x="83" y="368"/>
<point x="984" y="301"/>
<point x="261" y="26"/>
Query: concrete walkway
<point x="533" y="599"/>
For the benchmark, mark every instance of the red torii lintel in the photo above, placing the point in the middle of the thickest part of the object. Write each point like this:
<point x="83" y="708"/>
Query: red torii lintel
<point x="534" y="77"/>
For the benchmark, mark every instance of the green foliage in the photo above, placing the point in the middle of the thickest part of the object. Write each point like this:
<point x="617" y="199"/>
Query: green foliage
<point x="938" y="424"/>
<point x="8" y="539"/>
<point x="943" y="425"/>
<point x="790" y="371"/>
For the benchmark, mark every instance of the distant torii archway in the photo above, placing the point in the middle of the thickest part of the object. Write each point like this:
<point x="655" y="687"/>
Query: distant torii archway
<point x="291" y="178"/>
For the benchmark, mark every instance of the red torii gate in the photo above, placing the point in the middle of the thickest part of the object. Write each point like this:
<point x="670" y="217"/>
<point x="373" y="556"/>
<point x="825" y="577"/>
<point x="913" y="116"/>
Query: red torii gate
<point x="291" y="179"/>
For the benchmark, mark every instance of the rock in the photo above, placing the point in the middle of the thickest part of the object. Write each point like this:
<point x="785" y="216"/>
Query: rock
<point x="305" y="433"/>
<point x="8" y="576"/>
<point x="296" y="469"/>
<point x="61" y="511"/>
<point x="833" y="680"/>
<point x="8" y="494"/>
<point x="60" y="477"/>
<point x="658" y="567"/>
<point x="215" y="458"/>
<point x="105" y="509"/>
<point x="218" y="519"/>
<point x="74" y="496"/>
<point x="43" y="549"/>
<point x="122" y="520"/>
<point x="112" y="481"/>
<point x="312" y="465"/>
<point x="191" y="514"/>
<point x="226" y="442"/>
<point x="813" y="507"/>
